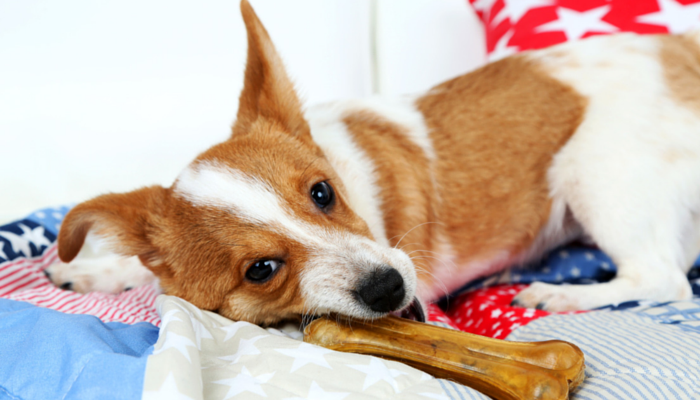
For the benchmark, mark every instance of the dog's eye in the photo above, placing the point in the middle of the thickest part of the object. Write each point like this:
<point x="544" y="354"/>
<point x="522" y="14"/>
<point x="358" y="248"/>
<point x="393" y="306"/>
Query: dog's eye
<point x="323" y="195"/>
<point x="262" y="270"/>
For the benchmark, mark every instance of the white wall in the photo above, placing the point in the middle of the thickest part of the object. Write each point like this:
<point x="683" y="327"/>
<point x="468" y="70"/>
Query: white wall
<point x="420" y="43"/>
<point x="110" y="96"/>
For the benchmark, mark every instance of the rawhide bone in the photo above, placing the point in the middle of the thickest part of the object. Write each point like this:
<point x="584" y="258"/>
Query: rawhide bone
<point x="498" y="368"/>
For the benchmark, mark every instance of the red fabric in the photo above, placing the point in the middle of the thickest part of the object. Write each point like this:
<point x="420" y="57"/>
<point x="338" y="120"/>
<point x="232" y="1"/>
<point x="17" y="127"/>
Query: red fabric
<point x="487" y="312"/>
<point x="516" y="25"/>
<point x="24" y="280"/>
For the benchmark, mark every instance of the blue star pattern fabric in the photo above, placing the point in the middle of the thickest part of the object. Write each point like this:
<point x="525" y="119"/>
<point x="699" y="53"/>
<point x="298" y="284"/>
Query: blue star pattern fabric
<point x="572" y="264"/>
<point x="31" y="236"/>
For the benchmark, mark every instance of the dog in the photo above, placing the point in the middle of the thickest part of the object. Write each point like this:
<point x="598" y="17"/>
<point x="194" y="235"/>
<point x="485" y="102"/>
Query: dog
<point x="360" y="207"/>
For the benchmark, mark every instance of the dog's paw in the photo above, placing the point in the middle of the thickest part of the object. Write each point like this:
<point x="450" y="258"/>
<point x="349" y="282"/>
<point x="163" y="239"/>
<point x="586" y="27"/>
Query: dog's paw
<point x="102" y="274"/>
<point x="544" y="296"/>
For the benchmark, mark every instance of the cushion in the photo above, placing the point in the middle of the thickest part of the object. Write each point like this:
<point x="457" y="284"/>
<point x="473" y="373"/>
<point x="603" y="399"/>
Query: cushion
<point x="512" y="26"/>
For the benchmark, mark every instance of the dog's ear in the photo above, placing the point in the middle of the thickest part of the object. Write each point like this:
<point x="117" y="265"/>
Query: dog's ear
<point x="126" y="221"/>
<point x="268" y="92"/>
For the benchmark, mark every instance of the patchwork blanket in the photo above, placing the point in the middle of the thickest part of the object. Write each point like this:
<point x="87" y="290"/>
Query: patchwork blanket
<point x="59" y="344"/>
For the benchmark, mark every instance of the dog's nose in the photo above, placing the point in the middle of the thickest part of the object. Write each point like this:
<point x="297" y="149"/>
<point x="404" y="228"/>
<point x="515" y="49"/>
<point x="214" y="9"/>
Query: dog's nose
<point x="383" y="290"/>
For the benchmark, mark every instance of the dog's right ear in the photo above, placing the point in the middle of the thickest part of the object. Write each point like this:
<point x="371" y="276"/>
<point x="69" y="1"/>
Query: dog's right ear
<point x="126" y="221"/>
<point x="268" y="92"/>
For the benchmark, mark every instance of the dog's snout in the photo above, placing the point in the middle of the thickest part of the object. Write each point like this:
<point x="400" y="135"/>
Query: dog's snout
<point x="383" y="290"/>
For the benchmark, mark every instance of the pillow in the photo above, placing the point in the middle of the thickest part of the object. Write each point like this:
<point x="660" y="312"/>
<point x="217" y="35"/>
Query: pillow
<point x="512" y="26"/>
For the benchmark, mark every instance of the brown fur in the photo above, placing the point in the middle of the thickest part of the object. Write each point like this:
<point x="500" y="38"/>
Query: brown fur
<point x="495" y="132"/>
<point x="202" y="253"/>
<point x="680" y="58"/>
<point x="404" y="174"/>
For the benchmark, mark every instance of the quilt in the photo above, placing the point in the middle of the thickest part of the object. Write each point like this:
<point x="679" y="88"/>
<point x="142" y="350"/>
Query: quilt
<point x="141" y="344"/>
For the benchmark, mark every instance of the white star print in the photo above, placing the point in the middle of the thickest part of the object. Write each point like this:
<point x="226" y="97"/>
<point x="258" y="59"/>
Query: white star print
<point x="575" y="24"/>
<point x="200" y="332"/>
<point x="575" y="272"/>
<point x="484" y="6"/>
<point x="307" y="354"/>
<point x="178" y="342"/>
<point x="245" y="348"/>
<point x="502" y="50"/>
<point x="317" y="393"/>
<point x="496" y="313"/>
<point x="20" y="243"/>
<point x="232" y="329"/>
<point x="516" y="9"/>
<point x="378" y="371"/>
<point x="245" y="382"/>
<point x="2" y="251"/>
<point x="168" y="318"/>
<point x="676" y="17"/>
<point x="168" y="391"/>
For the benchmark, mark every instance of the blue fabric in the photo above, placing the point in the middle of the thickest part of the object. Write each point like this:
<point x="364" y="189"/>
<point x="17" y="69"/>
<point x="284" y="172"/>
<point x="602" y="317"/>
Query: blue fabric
<point x="575" y="264"/>
<point x="45" y="354"/>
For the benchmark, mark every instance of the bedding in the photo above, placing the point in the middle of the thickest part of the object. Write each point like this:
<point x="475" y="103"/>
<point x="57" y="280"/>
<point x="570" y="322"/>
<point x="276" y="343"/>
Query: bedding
<point x="142" y="344"/>
<point x="512" y="26"/>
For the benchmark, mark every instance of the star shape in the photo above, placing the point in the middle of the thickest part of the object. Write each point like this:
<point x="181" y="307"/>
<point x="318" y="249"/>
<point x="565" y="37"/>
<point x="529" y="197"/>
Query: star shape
<point x="425" y="377"/>
<point x="35" y="235"/>
<point x="317" y="393"/>
<point x="168" y="390"/>
<point x="232" y="329"/>
<point x="168" y="318"/>
<point x="378" y="371"/>
<point x="575" y="24"/>
<point x="245" y="348"/>
<point x="516" y="9"/>
<point x="245" y="382"/>
<point x="20" y="243"/>
<point x="178" y="342"/>
<point x="484" y="6"/>
<point x="674" y="16"/>
<point x="502" y="49"/>
<point x="200" y="332"/>
<point x="307" y="354"/>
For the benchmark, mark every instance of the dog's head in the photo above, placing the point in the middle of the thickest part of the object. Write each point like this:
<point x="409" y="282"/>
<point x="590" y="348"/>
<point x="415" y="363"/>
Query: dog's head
<point x="259" y="227"/>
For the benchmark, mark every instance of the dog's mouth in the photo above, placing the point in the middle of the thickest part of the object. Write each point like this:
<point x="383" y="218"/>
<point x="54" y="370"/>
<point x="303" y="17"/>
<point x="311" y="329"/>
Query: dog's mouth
<point x="413" y="312"/>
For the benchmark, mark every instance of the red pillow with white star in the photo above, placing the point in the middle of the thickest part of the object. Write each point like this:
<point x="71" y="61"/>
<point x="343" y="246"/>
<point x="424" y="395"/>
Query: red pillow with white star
<point x="516" y="25"/>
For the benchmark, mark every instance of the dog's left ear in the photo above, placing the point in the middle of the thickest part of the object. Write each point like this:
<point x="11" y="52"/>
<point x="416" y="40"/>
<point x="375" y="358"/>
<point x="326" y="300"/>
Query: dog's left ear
<point x="268" y="93"/>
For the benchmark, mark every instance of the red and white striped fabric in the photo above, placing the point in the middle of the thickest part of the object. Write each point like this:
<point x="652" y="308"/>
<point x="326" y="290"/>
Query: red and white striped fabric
<point x="512" y="26"/>
<point x="23" y="279"/>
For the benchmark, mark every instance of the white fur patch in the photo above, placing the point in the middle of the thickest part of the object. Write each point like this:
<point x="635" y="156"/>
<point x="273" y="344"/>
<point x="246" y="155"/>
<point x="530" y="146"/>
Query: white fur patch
<point x="351" y="163"/>
<point x="339" y="260"/>
<point x="214" y="185"/>
<point x="355" y="167"/>
<point x="630" y="174"/>
<point x="98" y="269"/>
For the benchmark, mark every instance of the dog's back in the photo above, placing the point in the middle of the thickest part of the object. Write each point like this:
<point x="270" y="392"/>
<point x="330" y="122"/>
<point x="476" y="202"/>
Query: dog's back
<point x="487" y="170"/>
<point x="303" y="212"/>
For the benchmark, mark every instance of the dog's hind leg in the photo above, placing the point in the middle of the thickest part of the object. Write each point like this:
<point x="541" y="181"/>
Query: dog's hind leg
<point x="640" y="207"/>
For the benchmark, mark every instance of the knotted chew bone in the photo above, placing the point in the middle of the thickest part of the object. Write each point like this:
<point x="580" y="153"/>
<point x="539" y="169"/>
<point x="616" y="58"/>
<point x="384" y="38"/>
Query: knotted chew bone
<point x="500" y="369"/>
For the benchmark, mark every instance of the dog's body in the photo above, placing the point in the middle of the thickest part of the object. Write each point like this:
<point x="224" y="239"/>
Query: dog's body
<point x="354" y="207"/>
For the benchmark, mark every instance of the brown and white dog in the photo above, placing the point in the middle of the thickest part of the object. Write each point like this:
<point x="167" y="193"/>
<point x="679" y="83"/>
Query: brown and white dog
<point x="356" y="207"/>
